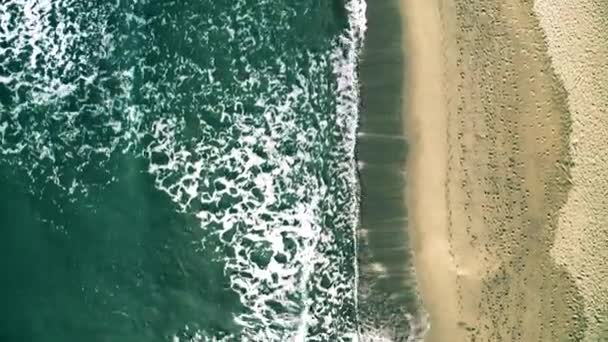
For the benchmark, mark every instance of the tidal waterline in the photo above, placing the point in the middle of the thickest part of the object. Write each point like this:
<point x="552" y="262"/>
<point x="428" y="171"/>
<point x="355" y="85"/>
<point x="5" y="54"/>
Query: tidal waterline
<point x="388" y="301"/>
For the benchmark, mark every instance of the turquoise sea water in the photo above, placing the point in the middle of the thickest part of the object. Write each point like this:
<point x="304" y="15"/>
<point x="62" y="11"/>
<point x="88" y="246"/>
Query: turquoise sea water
<point x="178" y="170"/>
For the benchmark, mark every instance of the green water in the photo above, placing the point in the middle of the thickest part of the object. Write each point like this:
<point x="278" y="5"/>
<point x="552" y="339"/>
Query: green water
<point x="119" y="265"/>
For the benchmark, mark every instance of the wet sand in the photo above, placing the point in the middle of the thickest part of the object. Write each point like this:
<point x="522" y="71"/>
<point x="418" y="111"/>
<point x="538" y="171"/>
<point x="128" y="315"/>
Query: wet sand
<point x="491" y="172"/>
<point x="426" y="125"/>
<point x="389" y="306"/>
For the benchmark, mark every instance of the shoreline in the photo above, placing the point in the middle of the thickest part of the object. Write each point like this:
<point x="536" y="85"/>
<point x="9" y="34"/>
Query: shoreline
<point x="488" y="173"/>
<point x="387" y="294"/>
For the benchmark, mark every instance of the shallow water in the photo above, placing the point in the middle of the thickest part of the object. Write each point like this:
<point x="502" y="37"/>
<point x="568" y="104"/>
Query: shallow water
<point x="388" y="303"/>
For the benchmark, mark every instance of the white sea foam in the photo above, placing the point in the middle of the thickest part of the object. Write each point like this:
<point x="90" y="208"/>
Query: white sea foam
<point x="348" y="105"/>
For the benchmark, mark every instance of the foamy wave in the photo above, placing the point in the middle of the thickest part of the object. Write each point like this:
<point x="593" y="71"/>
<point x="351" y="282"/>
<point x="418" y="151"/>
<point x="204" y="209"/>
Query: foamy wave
<point x="345" y="66"/>
<point x="286" y="276"/>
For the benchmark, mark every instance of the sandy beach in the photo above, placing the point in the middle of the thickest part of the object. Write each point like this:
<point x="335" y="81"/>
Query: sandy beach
<point x="580" y="59"/>
<point x="506" y="179"/>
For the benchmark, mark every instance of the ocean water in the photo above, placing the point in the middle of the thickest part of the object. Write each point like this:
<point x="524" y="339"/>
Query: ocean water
<point x="179" y="170"/>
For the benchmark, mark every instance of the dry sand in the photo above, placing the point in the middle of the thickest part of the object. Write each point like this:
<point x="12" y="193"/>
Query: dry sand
<point x="576" y="32"/>
<point x="506" y="215"/>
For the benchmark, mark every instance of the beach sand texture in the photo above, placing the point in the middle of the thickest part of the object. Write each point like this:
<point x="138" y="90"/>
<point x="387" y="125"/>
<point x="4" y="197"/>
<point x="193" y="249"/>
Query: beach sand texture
<point x="576" y="35"/>
<point x="507" y="212"/>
